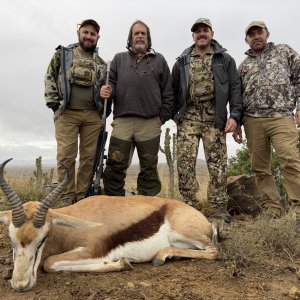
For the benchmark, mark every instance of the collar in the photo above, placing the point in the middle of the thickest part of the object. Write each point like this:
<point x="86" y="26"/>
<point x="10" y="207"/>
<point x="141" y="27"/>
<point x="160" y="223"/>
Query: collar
<point x="210" y="52"/>
<point x="268" y="48"/>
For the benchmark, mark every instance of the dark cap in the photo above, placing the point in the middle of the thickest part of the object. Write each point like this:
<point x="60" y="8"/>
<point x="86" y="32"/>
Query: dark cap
<point x="201" y="21"/>
<point x="260" y="24"/>
<point x="90" y="22"/>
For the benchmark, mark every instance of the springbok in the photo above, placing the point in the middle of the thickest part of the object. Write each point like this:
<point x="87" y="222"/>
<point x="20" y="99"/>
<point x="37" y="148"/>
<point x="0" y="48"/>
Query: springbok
<point x="100" y="233"/>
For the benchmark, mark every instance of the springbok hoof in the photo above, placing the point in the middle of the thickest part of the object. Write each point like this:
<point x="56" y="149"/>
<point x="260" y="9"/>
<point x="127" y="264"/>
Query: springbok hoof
<point x="157" y="262"/>
<point x="126" y="264"/>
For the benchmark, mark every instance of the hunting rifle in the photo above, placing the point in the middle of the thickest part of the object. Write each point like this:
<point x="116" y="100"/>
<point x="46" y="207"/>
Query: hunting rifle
<point x="94" y="186"/>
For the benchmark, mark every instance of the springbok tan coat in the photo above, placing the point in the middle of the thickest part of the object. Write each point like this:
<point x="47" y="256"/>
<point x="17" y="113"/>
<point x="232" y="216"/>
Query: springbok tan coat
<point x="101" y="233"/>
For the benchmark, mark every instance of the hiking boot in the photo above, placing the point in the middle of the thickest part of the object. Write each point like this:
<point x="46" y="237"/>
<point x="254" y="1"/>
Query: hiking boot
<point x="218" y="213"/>
<point x="194" y="202"/>
<point x="78" y="198"/>
<point x="297" y="226"/>
<point x="65" y="201"/>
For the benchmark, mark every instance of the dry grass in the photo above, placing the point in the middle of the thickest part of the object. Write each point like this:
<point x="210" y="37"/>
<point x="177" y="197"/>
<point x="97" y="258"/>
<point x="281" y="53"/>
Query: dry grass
<point x="26" y="188"/>
<point x="259" y="242"/>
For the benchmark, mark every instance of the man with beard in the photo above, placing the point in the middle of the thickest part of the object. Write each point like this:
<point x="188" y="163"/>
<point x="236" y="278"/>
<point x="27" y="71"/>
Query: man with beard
<point x="205" y="79"/>
<point x="271" y="98"/>
<point x="72" y="92"/>
<point x="141" y="89"/>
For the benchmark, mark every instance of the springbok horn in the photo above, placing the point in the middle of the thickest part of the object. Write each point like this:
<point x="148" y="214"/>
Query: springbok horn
<point x="18" y="216"/>
<point x="39" y="218"/>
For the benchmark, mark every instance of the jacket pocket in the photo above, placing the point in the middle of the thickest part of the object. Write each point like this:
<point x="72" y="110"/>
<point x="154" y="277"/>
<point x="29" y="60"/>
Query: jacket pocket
<point x="220" y="74"/>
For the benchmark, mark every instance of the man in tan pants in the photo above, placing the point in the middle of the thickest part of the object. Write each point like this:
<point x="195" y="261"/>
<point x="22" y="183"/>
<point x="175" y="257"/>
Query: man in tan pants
<point x="72" y="92"/>
<point x="271" y="93"/>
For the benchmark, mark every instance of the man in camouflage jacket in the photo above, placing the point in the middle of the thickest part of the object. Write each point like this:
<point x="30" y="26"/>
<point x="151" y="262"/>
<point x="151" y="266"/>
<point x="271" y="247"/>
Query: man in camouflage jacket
<point x="271" y="92"/>
<point x="72" y="92"/>
<point x="205" y="80"/>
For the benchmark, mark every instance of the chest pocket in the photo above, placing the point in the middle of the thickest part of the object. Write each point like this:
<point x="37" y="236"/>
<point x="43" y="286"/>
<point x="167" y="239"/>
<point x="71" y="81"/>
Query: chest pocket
<point x="82" y="72"/>
<point x="220" y="73"/>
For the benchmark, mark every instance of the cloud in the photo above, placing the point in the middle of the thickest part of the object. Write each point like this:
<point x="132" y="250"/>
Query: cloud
<point x="32" y="29"/>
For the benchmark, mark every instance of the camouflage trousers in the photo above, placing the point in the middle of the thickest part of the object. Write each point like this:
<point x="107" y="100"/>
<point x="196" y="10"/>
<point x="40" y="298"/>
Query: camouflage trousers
<point x="189" y="134"/>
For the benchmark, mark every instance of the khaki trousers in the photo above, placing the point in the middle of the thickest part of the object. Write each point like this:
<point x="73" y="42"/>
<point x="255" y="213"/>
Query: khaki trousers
<point x="281" y="134"/>
<point x="70" y="127"/>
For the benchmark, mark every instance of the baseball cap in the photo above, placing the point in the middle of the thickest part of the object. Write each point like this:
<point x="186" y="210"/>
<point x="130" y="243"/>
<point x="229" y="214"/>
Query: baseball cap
<point x="90" y="22"/>
<point x="257" y="24"/>
<point x="201" y="21"/>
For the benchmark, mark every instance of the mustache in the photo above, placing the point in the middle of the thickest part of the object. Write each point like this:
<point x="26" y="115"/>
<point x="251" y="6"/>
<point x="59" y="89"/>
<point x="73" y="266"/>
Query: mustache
<point x="87" y="40"/>
<point x="202" y="37"/>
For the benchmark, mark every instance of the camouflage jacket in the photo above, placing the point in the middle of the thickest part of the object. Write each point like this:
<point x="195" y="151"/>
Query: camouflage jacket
<point x="57" y="84"/>
<point x="227" y="85"/>
<point x="271" y="82"/>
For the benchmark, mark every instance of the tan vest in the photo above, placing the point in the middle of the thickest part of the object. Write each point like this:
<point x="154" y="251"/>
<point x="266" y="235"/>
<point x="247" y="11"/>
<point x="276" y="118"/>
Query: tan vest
<point x="82" y="72"/>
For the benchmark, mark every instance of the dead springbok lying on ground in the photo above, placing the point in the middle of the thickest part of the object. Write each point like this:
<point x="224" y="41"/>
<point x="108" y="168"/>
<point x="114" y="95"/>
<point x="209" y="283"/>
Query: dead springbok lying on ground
<point x="100" y="233"/>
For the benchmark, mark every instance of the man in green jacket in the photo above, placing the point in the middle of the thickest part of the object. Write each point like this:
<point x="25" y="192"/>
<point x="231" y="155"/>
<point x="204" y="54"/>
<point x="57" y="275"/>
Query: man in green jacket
<point x="205" y="80"/>
<point x="72" y="92"/>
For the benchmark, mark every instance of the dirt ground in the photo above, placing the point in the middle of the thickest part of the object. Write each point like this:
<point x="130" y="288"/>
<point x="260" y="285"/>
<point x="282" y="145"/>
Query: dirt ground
<point x="176" y="279"/>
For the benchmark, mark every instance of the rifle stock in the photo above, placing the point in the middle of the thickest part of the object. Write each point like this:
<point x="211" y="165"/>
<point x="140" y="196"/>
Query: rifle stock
<point x="94" y="186"/>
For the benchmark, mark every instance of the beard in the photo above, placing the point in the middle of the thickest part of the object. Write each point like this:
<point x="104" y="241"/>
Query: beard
<point x="140" y="47"/>
<point x="90" y="47"/>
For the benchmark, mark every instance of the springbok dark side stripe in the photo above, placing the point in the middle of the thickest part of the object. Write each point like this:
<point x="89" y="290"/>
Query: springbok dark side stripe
<point x="141" y="230"/>
<point x="43" y="241"/>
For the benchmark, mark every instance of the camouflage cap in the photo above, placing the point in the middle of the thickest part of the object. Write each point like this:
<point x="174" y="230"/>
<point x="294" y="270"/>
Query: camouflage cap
<point x="255" y="24"/>
<point x="201" y="21"/>
<point x="90" y="22"/>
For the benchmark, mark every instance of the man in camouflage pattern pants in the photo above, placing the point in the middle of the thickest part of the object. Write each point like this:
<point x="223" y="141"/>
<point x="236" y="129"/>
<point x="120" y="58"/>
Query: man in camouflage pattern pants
<point x="205" y="79"/>
<point x="72" y="92"/>
<point x="271" y="91"/>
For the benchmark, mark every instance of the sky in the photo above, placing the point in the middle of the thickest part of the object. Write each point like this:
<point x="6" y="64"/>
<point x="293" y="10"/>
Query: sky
<point x="32" y="29"/>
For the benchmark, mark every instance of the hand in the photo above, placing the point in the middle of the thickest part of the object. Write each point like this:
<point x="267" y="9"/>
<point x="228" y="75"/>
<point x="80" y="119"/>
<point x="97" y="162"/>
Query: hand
<point x="105" y="91"/>
<point x="297" y="118"/>
<point x="231" y="125"/>
<point x="158" y="120"/>
<point x="238" y="135"/>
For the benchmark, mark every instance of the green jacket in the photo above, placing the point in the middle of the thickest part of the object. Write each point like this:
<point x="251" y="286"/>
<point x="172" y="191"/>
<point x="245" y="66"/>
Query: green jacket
<point x="57" y="85"/>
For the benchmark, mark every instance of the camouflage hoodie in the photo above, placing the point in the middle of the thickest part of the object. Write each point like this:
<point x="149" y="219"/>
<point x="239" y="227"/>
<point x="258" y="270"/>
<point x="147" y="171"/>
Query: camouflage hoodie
<point x="58" y="87"/>
<point x="271" y="82"/>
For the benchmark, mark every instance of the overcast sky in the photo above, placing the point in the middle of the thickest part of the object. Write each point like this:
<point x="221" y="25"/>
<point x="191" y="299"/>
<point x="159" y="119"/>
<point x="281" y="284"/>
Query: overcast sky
<point x="32" y="29"/>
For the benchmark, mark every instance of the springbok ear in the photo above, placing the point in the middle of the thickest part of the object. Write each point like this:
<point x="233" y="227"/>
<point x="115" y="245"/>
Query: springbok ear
<point x="64" y="220"/>
<point x="5" y="217"/>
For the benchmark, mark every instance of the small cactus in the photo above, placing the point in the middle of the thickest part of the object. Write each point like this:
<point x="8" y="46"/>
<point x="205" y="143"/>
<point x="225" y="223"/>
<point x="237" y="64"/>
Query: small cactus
<point x="170" y="153"/>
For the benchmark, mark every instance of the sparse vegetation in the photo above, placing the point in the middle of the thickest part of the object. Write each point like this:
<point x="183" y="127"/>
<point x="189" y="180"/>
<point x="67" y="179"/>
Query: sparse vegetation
<point x="30" y="188"/>
<point x="241" y="164"/>
<point x="170" y="153"/>
<point x="259" y="242"/>
<point x="42" y="178"/>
